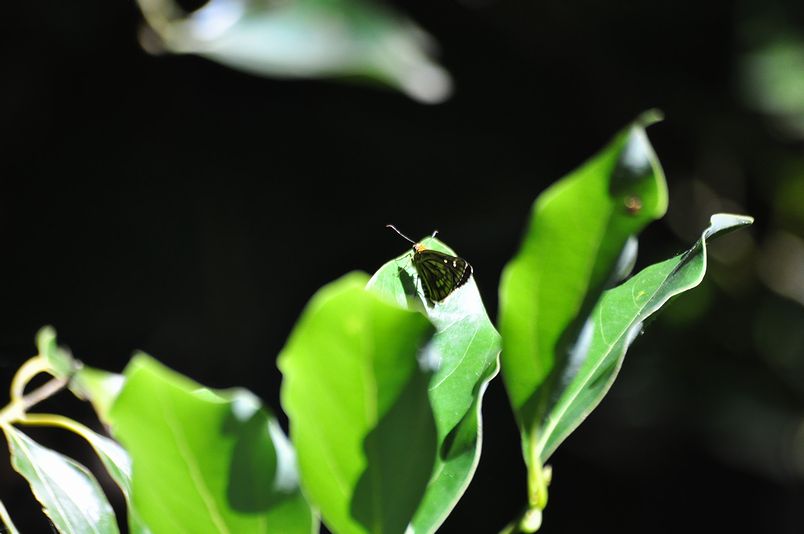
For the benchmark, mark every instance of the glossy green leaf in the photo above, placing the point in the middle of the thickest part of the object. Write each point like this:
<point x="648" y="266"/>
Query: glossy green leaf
<point x="356" y="396"/>
<point x="615" y="323"/>
<point x="70" y="495"/>
<point x="304" y="39"/>
<point x="203" y="460"/>
<point x="466" y="347"/>
<point x="580" y="240"/>
<point x="118" y="464"/>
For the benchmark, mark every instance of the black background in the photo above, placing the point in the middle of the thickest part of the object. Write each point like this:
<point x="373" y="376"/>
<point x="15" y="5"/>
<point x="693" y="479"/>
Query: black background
<point x="172" y="205"/>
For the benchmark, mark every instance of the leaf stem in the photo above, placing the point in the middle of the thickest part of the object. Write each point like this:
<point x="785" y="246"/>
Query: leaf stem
<point x="5" y="520"/>
<point x="15" y="410"/>
<point x="539" y="475"/>
<point x="52" y="419"/>
<point x="25" y="373"/>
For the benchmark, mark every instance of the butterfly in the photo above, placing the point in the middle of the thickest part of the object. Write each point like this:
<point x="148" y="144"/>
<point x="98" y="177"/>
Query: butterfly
<point x="440" y="273"/>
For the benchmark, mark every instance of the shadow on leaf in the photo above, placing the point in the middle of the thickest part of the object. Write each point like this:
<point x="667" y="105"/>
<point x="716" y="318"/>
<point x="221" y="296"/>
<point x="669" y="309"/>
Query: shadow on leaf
<point x="400" y="453"/>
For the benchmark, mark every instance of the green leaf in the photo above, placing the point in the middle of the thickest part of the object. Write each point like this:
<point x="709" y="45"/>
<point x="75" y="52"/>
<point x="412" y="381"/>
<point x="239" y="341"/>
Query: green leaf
<point x="94" y="385"/>
<point x="616" y="322"/>
<point x="203" y="460"/>
<point x="5" y="520"/>
<point x="359" y="413"/>
<point x="118" y="464"/>
<point x="70" y="495"/>
<point x="579" y="240"/>
<point x="59" y="359"/>
<point x="467" y="347"/>
<point x="99" y="387"/>
<point x="305" y="39"/>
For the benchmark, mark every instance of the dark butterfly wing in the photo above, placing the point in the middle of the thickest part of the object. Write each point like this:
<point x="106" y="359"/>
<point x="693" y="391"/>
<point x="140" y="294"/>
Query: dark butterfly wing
<point x="441" y="274"/>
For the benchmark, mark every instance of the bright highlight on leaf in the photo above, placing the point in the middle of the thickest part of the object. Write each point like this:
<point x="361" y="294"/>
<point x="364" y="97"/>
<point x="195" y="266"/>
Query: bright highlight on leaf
<point x="465" y="351"/>
<point x="70" y="495"/>
<point x="304" y="39"/>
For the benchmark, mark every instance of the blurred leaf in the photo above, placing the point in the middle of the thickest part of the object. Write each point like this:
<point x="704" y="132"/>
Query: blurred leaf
<point x="5" y="520"/>
<point x="615" y="323"/>
<point x="787" y="195"/>
<point x="70" y="495"/>
<point x="773" y="81"/>
<point x="94" y="385"/>
<point x="118" y="464"/>
<point x="205" y="461"/>
<point x="779" y="339"/>
<point x="59" y="359"/>
<point x="99" y="387"/>
<point x="305" y="39"/>
<point x="579" y="241"/>
<point x="359" y="413"/>
<point x="466" y="346"/>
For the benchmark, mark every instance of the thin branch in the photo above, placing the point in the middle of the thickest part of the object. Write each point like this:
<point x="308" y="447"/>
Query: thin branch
<point x="5" y="520"/>
<point x="17" y="407"/>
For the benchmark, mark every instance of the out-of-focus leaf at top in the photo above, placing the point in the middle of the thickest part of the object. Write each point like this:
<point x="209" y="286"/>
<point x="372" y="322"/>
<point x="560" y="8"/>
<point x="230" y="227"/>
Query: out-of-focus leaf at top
<point x="303" y="39"/>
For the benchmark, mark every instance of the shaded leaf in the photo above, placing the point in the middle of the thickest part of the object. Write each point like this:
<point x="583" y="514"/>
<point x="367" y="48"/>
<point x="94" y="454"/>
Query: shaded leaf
<point x="615" y="323"/>
<point x="5" y="520"/>
<point x="203" y="460"/>
<point x="70" y="495"/>
<point x="579" y="241"/>
<point x="465" y="349"/>
<point x="359" y="413"/>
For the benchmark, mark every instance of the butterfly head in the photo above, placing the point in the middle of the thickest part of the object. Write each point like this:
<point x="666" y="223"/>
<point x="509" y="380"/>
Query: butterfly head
<point x="417" y="247"/>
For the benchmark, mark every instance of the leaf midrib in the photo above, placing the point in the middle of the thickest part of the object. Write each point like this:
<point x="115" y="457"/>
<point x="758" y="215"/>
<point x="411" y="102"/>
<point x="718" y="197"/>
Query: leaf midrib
<point x="185" y="453"/>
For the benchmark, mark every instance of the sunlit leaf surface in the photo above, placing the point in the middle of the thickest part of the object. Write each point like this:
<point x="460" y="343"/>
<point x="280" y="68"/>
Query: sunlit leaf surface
<point x="70" y="495"/>
<point x="203" y="460"/>
<point x="355" y="391"/>
<point x="465" y="353"/>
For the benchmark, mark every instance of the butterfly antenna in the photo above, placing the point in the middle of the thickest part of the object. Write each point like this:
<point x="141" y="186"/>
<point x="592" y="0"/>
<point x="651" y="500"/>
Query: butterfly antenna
<point x="434" y="234"/>
<point x="392" y="227"/>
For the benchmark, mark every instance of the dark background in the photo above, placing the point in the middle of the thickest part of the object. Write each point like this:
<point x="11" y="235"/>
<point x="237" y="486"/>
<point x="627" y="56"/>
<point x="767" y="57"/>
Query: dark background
<point x="172" y="205"/>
